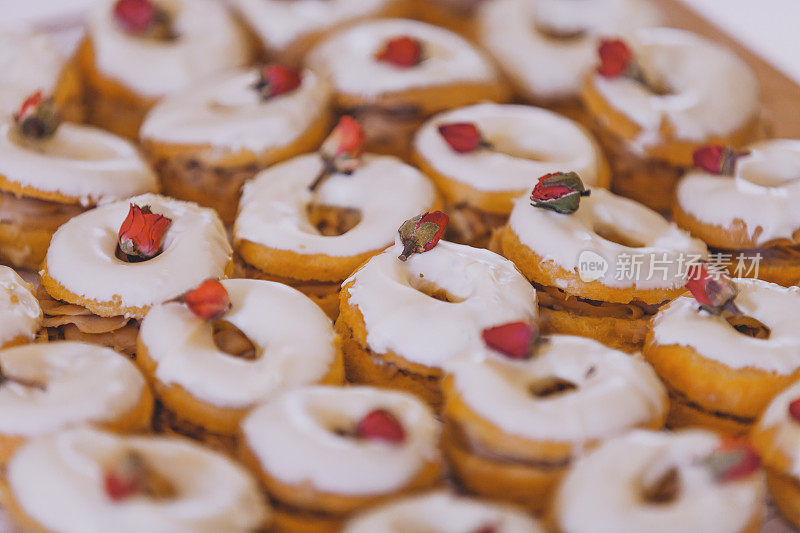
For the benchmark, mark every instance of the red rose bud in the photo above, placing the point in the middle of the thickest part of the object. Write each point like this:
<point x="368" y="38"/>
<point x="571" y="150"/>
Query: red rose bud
<point x="135" y="16"/>
<point x="344" y="145"/>
<point x="716" y="159"/>
<point x="403" y="52"/>
<point x="275" y="80"/>
<point x="382" y="425"/>
<point x="515" y="340"/>
<point x="463" y="137"/>
<point x="733" y="460"/>
<point x="421" y="233"/>
<point x="209" y="300"/>
<point x="615" y="58"/>
<point x="560" y="192"/>
<point x="341" y="152"/>
<point x="37" y="117"/>
<point x="141" y="232"/>
<point x="130" y="475"/>
<point x="794" y="410"/>
<point x="712" y="292"/>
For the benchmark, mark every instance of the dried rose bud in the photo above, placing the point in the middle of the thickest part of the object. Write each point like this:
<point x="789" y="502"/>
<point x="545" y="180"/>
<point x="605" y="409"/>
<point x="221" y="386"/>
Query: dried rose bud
<point x="716" y="159"/>
<point x="733" y="460"/>
<point x="713" y="292"/>
<point x="421" y="233"/>
<point x="515" y="340"/>
<point x="463" y="137"/>
<point x="209" y="300"/>
<point x="142" y="232"/>
<point x="135" y="16"/>
<point x="130" y="475"/>
<point x="381" y="425"/>
<point x="615" y="58"/>
<point x="275" y="80"/>
<point x="143" y="18"/>
<point x="402" y="52"/>
<point x="794" y="410"/>
<point x="341" y="152"/>
<point x="37" y="117"/>
<point x="560" y="192"/>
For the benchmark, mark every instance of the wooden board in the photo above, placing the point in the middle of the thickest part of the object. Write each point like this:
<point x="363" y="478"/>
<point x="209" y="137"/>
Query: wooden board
<point x="780" y="95"/>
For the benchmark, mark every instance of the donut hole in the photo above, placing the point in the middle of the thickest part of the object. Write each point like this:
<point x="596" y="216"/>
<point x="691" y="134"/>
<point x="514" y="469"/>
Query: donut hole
<point x="613" y="234"/>
<point x="663" y="489"/>
<point x="332" y="221"/>
<point x="551" y="386"/>
<point x="748" y="325"/>
<point x="432" y="289"/>
<point x="552" y="33"/>
<point x="228" y="338"/>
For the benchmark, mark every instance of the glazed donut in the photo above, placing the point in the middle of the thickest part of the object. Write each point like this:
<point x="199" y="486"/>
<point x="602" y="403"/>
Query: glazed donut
<point x="20" y="314"/>
<point x="45" y="182"/>
<point x="52" y="386"/>
<point x="752" y="212"/>
<point x="205" y="142"/>
<point x="287" y="30"/>
<point x="279" y="238"/>
<point x="776" y="436"/>
<point x="718" y="377"/>
<point x="29" y="62"/>
<point x="392" y="101"/>
<point x="311" y="460"/>
<point x="202" y="384"/>
<point x="613" y="301"/>
<point x="479" y="186"/>
<point x="127" y="70"/>
<point x="71" y="481"/>
<point x="402" y="323"/>
<point x="546" y="47"/>
<point x="83" y="276"/>
<point x="513" y="427"/>
<point x="434" y="510"/>
<point x="697" y="92"/>
<point x="607" y="490"/>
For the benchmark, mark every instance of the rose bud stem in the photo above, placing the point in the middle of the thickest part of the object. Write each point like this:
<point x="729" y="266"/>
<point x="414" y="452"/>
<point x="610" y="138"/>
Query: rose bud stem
<point x="733" y="460"/>
<point x="421" y="233"/>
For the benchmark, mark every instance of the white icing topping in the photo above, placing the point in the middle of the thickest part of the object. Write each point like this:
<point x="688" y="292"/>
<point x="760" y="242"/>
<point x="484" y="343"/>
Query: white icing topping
<point x="570" y="240"/>
<point x="547" y="68"/>
<point x="603" y="491"/>
<point x="786" y="430"/>
<point x="386" y="191"/>
<point x="228" y="112"/>
<point x="615" y="391"/>
<point x="487" y="290"/>
<point x="683" y="323"/>
<point x="29" y="62"/>
<point x="83" y="383"/>
<point x="294" y="438"/>
<point x="279" y="23"/>
<point x="764" y="192"/>
<point x="269" y="313"/>
<point x="79" y="161"/>
<point x="441" y="512"/>
<point x="348" y="59"/>
<point x="82" y="256"/>
<point x="712" y="91"/>
<point x="209" y="41"/>
<point x="58" y="481"/>
<point x="20" y="315"/>
<point x="537" y="141"/>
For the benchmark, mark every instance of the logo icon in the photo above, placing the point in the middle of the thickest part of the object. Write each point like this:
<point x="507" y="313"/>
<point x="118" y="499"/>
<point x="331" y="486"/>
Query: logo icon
<point x="591" y="266"/>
